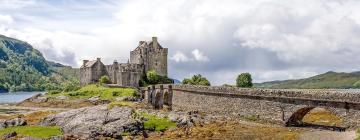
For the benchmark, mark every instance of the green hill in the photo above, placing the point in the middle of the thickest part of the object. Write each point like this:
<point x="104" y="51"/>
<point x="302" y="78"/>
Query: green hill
<point x="327" y="80"/>
<point x="23" y="68"/>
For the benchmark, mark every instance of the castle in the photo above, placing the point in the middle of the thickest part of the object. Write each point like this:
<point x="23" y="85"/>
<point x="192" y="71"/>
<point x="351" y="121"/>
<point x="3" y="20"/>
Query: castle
<point x="147" y="56"/>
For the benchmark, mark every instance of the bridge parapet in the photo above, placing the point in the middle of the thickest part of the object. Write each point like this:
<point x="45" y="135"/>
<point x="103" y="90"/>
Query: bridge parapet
<point x="314" y="94"/>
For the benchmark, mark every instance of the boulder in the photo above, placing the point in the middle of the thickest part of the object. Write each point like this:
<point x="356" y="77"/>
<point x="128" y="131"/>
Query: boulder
<point x="94" y="121"/>
<point x="62" y="97"/>
<point x="173" y="117"/>
<point x="9" y="135"/>
<point x="94" y="99"/>
<point x="12" y="122"/>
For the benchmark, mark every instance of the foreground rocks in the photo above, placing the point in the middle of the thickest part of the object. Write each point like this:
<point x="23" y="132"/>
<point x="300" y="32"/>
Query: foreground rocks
<point x="98" y="121"/>
<point x="12" y="122"/>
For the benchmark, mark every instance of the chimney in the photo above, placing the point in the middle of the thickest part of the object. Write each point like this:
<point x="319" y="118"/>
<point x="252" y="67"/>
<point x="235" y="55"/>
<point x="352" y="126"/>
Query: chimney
<point x="154" y="41"/>
<point x="84" y="62"/>
<point x="98" y="59"/>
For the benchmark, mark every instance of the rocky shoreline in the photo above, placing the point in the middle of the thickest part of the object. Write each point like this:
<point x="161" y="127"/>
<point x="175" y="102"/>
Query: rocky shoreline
<point x="94" y="118"/>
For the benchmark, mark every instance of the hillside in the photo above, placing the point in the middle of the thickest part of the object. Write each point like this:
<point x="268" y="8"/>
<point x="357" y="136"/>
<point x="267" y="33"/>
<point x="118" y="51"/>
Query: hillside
<point x="23" y="68"/>
<point x="327" y="80"/>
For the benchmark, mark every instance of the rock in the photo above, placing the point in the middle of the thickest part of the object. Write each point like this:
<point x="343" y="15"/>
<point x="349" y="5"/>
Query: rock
<point x="133" y="99"/>
<point x="185" y="121"/>
<point x="173" y="117"/>
<point x="94" y="99"/>
<point x="39" y="99"/>
<point x="135" y="128"/>
<point x="9" y="135"/>
<point x="93" y="121"/>
<point x="30" y="138"/>
<point x="12" y="122"/>
<point x="120" y="98"/>
<point x="62" y="97"/>
<point x="57" y="138"/>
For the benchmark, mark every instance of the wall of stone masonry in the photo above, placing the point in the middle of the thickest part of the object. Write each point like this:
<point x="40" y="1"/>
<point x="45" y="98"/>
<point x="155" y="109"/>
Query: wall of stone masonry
<point x="280" y="106"/>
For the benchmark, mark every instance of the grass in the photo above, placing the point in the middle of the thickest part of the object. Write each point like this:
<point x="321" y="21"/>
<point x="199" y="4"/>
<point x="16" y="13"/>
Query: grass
<point x="33" y="131"/>
<point x="105" y="93"/>
<point x="357" y="134"/>
<point x="155" y="123"/>
<point x="120" y="104"/>
<point x="251" y="118"/>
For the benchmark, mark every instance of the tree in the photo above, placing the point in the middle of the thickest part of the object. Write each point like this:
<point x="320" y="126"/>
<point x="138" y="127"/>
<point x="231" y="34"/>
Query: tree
<point x="196" y="80"/>
<point x="356" y="84"/>
<point x="153" y="77"/>
<point x="71" y="85"/>
<point x="244" y="80"/>
<point x="104" y="79"/>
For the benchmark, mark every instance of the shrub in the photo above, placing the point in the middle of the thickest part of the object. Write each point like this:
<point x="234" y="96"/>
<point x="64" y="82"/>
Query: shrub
<point x="71" y="85"/>
<point x="196" y="80"/>
<point x="152" y="78"/>
<point x="53" y="92"/>
<point x="356" y="84"/>
<point x="244" y="80"/>
<point x="104" y="79"/>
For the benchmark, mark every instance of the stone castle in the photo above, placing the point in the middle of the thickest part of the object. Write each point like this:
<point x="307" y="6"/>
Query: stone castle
<point x="147" y="56"/>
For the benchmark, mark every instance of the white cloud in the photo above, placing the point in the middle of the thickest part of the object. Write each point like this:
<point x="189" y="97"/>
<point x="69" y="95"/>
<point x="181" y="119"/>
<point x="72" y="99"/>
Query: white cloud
<point x="6" y="20"/>
<point x="199" y="56"/>
<point x="179" y="57"/>
<point x="15" y="4"/>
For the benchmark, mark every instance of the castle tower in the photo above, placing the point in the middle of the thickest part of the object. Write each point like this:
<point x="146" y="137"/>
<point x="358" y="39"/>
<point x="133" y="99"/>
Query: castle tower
<point x="151" y="55"/>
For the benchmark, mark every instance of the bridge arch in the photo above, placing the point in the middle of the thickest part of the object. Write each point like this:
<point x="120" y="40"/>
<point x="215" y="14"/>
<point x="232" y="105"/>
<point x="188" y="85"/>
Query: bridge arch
<point x="297" y="118"/>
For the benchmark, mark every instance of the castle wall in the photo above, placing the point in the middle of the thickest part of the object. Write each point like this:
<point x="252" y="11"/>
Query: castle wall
<point x="112" y="71"/>
<point x="158" y="61"/>
<point x="85" y="76"/>
<point x="97" y="71"/>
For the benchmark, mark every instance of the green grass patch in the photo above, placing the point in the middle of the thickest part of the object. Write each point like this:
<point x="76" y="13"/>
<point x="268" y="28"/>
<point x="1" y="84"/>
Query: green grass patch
<point x="251" y="118"/>
<point x="33" y="131"/>
<point x="120" y="104"/>
<point x="105" y="93"/>
<point x="357" y="134"/>
<point x="155" y="123"/>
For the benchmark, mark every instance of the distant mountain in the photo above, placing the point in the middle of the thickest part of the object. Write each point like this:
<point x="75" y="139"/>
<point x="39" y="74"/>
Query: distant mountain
<point x="323" y="81"/>
<point x="23" y="68"/>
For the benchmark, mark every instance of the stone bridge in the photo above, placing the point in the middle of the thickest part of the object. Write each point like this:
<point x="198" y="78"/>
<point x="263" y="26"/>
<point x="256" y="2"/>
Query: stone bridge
<point x="287" y="107"/>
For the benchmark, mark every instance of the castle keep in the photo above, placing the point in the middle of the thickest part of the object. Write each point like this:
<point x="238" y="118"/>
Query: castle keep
<point x="147" y="56"/>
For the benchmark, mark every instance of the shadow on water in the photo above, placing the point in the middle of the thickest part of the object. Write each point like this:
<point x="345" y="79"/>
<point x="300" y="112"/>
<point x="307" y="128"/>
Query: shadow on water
<point x="322" y="127"/>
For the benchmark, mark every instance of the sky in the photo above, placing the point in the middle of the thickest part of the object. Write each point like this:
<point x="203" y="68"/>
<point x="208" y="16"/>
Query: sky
<point x="271" y="39"/>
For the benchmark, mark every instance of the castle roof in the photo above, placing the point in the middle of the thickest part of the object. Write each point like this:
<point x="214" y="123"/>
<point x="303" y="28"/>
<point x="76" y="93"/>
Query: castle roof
<point x="89" y="64"/>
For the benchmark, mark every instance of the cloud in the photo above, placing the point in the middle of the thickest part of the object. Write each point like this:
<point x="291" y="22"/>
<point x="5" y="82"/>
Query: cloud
<point x="179" y="57"/>
<point x="199" y="56"/>
<point x="5" y="20"/>
<point x="271" y="39"/>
